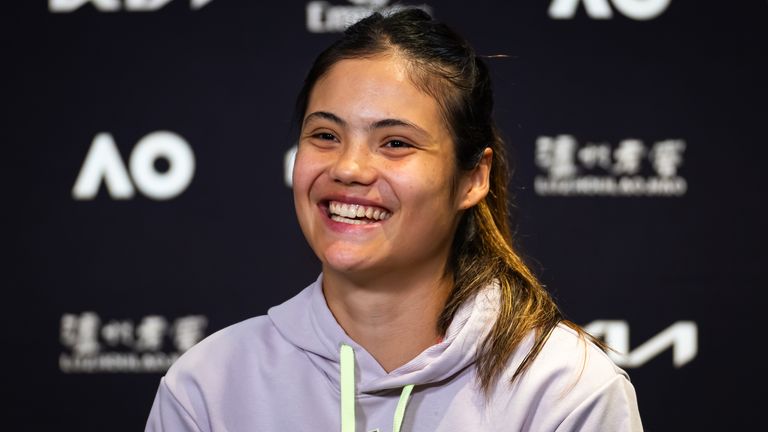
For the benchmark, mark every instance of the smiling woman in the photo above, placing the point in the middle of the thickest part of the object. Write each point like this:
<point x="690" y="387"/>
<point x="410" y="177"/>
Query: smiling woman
<point x="424" y="318"/>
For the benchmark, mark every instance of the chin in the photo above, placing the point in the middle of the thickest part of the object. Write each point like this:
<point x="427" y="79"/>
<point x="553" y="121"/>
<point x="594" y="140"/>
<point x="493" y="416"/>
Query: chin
<point x="346" y="264"/>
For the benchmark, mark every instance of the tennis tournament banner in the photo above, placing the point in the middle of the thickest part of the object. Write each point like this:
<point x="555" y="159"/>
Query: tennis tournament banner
<point x="148" y="150"/>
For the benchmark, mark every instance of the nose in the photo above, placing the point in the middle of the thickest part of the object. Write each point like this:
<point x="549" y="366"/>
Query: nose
<point x="353" y="165"/>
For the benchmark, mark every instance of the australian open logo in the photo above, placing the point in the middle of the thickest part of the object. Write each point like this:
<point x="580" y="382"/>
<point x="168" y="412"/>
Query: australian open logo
<point x="150" y="344"/>
<point x="630" y="168"/>
<point x="324" y="17"/>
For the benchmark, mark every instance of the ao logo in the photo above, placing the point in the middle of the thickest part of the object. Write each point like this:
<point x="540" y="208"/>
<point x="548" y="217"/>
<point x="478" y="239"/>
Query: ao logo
<point x="103" y="164"/>
<point x="600" y="9"/>
<point x="116" y="5"/>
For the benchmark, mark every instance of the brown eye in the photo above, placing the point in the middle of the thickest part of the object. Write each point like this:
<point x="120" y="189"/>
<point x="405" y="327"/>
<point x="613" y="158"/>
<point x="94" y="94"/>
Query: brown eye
<point x="397" y="144"/>
<point x="325" y="136"/>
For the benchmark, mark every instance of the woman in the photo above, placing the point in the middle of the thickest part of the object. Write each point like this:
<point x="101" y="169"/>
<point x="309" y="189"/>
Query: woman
<point x="423" y="318"/>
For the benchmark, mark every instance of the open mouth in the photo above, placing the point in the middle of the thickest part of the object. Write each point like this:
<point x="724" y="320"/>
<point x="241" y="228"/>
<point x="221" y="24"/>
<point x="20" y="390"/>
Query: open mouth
<point x="356" y="214"/>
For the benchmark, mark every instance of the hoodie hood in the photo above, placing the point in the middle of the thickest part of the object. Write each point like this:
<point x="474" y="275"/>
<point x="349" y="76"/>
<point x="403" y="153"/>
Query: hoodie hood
<point x="306" y="322"/>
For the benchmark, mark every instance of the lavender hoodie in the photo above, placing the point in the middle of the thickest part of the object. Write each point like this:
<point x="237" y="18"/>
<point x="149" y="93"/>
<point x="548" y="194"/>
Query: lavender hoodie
<point x="281" y="372"/>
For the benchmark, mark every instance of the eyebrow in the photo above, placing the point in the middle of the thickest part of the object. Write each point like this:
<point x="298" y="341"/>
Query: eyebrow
<point x="325" y="115"/>
<point x="379" y="124"/>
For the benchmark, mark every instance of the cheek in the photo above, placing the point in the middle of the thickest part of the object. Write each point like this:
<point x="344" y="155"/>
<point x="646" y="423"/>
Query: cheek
<point x="427" y="184"/>
<point x="305" y="171"/>
<point x="304" y="176"/>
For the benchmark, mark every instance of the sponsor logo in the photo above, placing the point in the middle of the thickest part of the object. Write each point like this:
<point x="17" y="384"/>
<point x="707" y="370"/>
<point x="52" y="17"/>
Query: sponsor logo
<point x="66" y="6"/>
<point x="639" y="10"/>
<point x="599" y="169"/>
<point x="682" y="337"/>
<point x="103" y="164"/>
<point x="120" y="345"/>
<point x="288" y="161"/>
<point x="323" y="17"/>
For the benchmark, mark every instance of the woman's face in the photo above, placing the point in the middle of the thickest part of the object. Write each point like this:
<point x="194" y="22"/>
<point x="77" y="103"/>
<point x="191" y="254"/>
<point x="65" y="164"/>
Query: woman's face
<point x="372" y="178"/>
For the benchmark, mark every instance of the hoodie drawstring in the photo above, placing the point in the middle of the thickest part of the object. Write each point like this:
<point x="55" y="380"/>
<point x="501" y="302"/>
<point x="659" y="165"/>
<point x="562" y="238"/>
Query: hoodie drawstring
<point x="348" y="394"/>
<point x="347" y="389"/>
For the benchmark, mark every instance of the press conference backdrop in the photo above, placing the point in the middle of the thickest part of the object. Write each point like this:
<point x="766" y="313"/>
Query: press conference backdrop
<point x="148" y="152"/>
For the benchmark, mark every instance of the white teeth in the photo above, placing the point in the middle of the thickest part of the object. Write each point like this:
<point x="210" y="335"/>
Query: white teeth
<point x="350" y="221"/>
<point x="348" y="213"/>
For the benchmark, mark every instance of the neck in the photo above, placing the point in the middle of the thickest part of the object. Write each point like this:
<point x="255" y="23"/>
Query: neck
<point x="393" y="318"/>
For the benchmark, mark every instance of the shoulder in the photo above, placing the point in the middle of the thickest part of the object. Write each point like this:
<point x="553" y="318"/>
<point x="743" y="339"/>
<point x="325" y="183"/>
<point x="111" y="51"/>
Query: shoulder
<point x="252" y="349"/>
<point x="573" y="382"/>
<point x="215" y="358"/>
<point x="571" y="364"/>
<point x="205" y="372"/>
<point x="567" y="350"/>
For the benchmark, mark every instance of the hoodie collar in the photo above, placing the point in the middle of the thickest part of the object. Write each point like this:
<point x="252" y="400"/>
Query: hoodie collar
<point x="306" y="322"/>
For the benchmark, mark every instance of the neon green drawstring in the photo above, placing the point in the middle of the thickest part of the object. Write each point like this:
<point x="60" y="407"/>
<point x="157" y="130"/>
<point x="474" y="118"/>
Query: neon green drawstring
<point x="348" y="394"/>
<point x="400" y="410"/>
<point x="347" y="389"/>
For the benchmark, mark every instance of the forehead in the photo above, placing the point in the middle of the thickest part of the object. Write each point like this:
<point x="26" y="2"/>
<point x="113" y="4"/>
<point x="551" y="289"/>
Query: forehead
<point x="369" y="89"/>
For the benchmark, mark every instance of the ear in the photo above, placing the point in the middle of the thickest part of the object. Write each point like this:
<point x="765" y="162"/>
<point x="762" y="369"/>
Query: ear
<point x="475" y="184"/>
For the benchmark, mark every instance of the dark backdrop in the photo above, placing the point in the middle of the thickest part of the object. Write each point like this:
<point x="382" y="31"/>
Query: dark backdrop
<point x="637" y="129"/>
